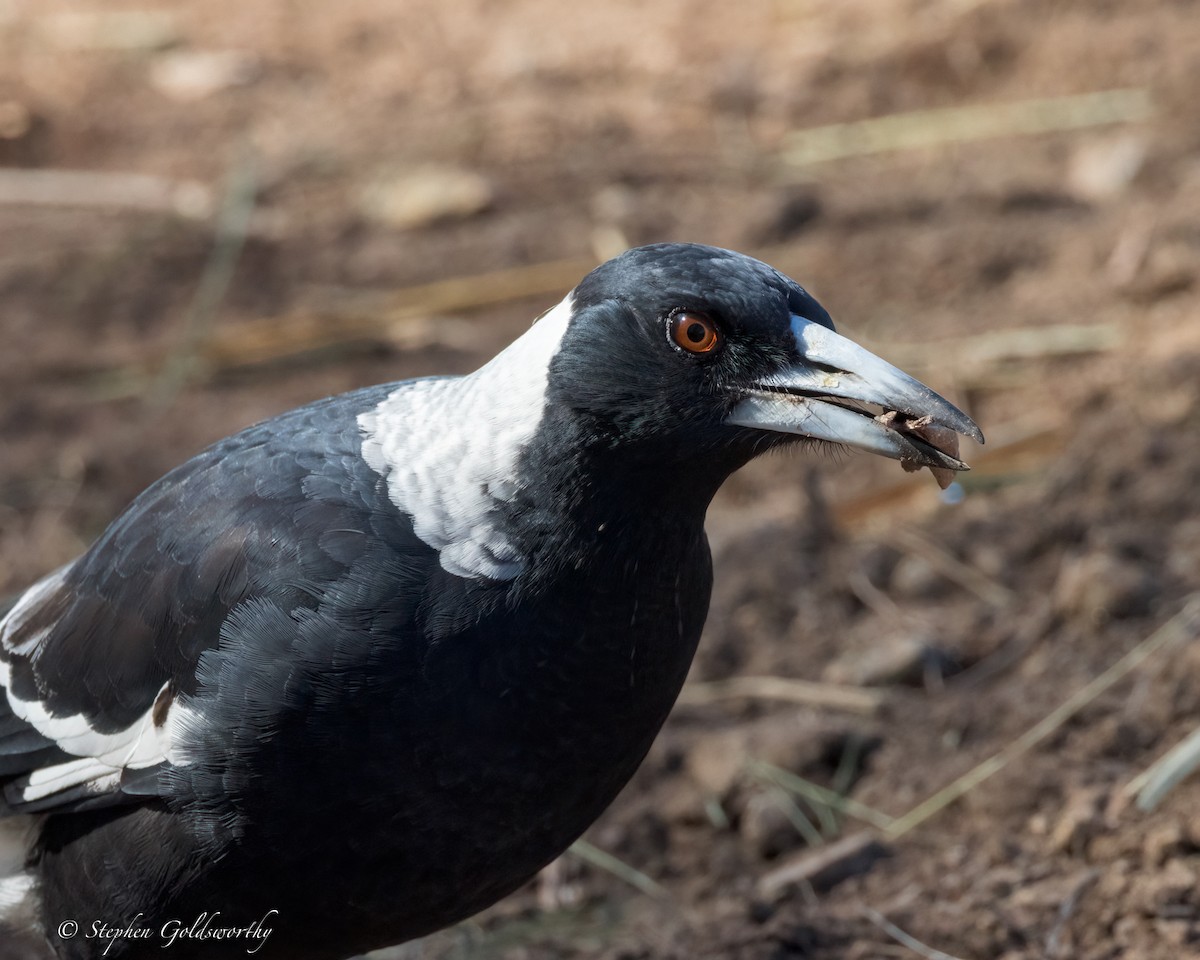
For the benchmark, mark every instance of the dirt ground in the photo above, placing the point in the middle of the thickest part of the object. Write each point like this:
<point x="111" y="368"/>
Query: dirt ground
<point x="1047" y="281"/>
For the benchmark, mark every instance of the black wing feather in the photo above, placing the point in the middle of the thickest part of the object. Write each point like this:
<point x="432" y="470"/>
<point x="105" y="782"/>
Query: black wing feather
<point x="275" y="514"/>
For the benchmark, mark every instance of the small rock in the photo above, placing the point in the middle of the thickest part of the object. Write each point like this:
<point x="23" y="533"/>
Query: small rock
<point x="1162" y="843"/>
<point x="1169" y="268"/>
<point x="891" y="660"/>
<point x="716" y="761"/>
<point x="1163" y="893"/>
<point x="191" y="75"/>
<point x="1105" y="168"/>
<point x="1113" y="883"/>
<point x="425" y="195"/>
<point x="793" y="742"/>
<point x="16" y="120"/>
<point x="615" y="203"/>
<point x="24" y="135"/>
<point x="1080" y="821"/>
<point x="1100" y="586"/>
<point x="558" y="885"/>
<point x="1183" y="557"/>
<point x="1176" y="933"/>
<point x="1125" y="931"/>
<point x="735" y="86"/>
<point x="916" y="578"/>
<point x="1191" y="830"/>
<point x="797" y="743"/>
<point x="686" y="807"/>
<point x="766" y="828"/>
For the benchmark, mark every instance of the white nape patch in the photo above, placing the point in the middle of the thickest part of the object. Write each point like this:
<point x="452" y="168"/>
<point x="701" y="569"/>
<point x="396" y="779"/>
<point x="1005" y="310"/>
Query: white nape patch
<point x="449" y="449"/>
<point x="17" y="836"/>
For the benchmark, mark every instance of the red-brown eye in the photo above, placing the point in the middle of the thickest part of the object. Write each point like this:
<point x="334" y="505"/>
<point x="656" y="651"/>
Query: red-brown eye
<point x="694" y="333"/>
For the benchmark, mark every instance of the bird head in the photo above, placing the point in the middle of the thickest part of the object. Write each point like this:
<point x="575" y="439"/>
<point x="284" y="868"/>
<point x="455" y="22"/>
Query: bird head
<point x="692" y="352"/>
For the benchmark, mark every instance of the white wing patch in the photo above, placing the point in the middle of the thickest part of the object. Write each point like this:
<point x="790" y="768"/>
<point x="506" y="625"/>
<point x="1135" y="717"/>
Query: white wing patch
<point x="102" y="756"/>
<point x="451" y="480"/>
<point x="31" y="599"/>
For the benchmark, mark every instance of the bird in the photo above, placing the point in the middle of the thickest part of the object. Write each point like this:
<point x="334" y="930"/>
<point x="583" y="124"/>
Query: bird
<point x="357" y="672"/>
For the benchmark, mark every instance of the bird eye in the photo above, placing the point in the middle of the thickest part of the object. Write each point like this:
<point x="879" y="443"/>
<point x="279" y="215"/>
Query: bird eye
<point x="694" y="333"/>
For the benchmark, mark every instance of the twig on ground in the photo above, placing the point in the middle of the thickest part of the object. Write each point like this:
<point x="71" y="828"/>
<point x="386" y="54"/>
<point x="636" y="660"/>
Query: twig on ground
<point x="849" y="765"/>
<point x="1066" y="910"/>
<point x="1011" y="652"/>
<point x="798" y="819"/>
<point x="970" y="578"/>
<point x="1129" y="254"/>
<point x="1183" y="624"/>
<point x="619" y="869"/>
<point x="715" y="812"/>
<point x="832" y="696"/>
<point x="970" y="355"/>
<point x="818" y="795"/>
<point x="823" y="867"/>
<point x="93" y="188"/>
<point x="410" y="317"/>
<point x="928" y="128"/>
<point x="913" y="944"/>
<point x="876" y="600"/>
<point x="1157" y="780"/>
<point x="233" y="222"/>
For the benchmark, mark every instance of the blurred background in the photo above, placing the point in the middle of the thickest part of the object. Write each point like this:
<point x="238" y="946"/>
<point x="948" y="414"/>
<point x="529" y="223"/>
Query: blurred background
<point x="215" y="210"/>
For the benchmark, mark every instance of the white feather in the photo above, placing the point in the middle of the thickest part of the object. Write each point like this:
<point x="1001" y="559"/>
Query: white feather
<point x="30" y="600"/>
<point x="17" y="835"/>
<point x="102" y="756"/>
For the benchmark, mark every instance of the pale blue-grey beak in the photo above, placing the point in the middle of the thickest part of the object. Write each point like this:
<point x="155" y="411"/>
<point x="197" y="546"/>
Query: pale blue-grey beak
<point x="802" y="400"/>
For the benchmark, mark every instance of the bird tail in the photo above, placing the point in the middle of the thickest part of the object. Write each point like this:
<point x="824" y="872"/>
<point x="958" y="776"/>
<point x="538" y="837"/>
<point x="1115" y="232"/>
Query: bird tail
<point x="19" y="939"/>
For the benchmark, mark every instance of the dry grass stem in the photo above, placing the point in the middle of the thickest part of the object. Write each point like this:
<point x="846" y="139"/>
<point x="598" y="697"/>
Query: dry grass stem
<point x="824" y="695"/>
<point x="931" y="128"/>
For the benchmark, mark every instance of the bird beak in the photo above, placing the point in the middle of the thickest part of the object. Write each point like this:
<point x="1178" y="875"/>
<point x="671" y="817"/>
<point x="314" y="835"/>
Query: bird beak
<point x="802" y="399"/>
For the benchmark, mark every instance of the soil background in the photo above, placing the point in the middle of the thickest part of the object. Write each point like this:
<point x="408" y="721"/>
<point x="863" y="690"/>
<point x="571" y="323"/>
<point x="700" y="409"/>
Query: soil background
<point x="274" y="190"/>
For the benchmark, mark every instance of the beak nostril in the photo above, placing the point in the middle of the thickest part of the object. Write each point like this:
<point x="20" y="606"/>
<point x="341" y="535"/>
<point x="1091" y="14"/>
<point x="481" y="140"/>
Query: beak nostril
<point x="824" y="367"/>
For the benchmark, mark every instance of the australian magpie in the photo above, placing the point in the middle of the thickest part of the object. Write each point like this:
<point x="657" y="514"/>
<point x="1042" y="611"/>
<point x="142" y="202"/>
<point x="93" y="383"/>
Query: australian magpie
<point x="360" y="670"/>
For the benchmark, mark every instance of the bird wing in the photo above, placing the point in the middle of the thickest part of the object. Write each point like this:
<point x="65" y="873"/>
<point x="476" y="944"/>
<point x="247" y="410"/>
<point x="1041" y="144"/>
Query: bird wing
<point x="100" y="660"/>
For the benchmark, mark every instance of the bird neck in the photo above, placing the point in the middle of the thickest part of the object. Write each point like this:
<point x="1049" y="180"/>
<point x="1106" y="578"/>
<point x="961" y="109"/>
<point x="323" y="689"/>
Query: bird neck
<point x="591" y="503"/>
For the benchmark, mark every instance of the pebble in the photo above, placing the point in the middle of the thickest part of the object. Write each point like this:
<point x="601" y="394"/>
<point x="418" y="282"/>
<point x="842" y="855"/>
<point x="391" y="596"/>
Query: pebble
<point x="895" y="659"/>
<point x="716" y="762"/>
<point x="766" y="828"/>
<point x="1164" y="892"/>
<point x="1099" y="586"/>
<point x="1162" y="843"/>
<point x="191" y="75"/>
<point x="1079" y="822"/>
<point x="1103" y="169"/>
<point x="916" y="578"/>
<point x="421" y="196"/>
